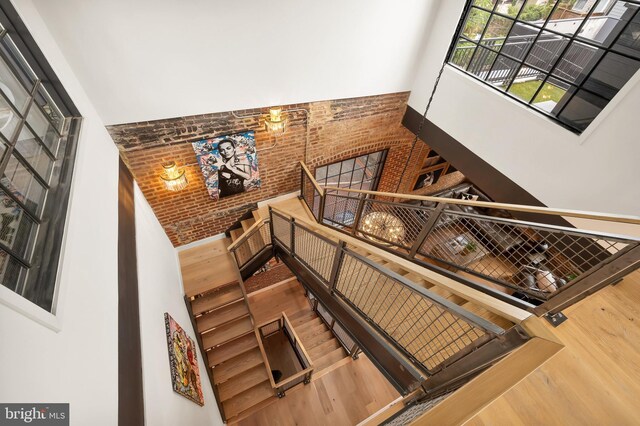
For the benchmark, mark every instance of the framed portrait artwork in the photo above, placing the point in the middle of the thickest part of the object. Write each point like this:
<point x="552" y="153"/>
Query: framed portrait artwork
<point x="183" y="359"/>
<point x="229" y="164"/>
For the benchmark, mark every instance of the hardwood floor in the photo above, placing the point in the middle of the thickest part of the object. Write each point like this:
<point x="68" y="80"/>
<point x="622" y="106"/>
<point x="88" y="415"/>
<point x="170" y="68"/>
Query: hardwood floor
<point x="594" y="380"/>
<point x="207" y="267"/>
<point x="344" y="396"/>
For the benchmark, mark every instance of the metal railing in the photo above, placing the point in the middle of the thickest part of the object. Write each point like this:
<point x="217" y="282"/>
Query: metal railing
<point x="544" y="268"/>
<point x="345" y="339"/>
<point x="283" y="325"/>
<point x="251" y="243"/>
<point x="427" y="328"/>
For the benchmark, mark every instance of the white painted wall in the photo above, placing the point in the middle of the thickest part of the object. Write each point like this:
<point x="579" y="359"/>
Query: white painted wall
<point x="73" y="356"/>
<point x="151" y="59"/>
<point x="160" y="290"/>
<point x="596" y="171"/>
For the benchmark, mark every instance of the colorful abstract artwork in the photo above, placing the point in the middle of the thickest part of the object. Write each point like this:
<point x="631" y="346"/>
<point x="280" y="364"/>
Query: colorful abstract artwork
<point x="229" y="164"/>
<point x="185" y="374"/>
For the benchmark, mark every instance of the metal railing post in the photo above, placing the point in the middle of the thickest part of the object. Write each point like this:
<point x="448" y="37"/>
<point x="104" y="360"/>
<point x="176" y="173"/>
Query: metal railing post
<point x="273" y="243"/>
<point x="323" y="199"/>
<point x="427" y="228"/>
<point x="293" y="237"/>
<point x="356" y="220"/>
<point x="337" y="261"/>
<point x="354" y="351"/>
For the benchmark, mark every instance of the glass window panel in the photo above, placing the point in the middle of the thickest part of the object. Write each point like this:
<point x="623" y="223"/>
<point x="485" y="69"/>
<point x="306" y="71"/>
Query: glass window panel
<point x="503" y="71"/>
<point x="17" y="229"/>
<point x="13" y="90"/>
<point x="358" y="177"/>
<point x="552" y="93"/>
<point x="347" y="166"/>
<point x="487" y="4"/>
<point x="373" y="158"/>
<point x="496" y="32"/>
<point x="629" y="41"/>
<point x="510" y="8"/>
<point x="334" y="170"/>
<point x="321" y="173"/>
<point x="604" y="28"/>
<point x="582" y="109"/>
<point x="519" y="41"/>
<point x="21" y="182"/>
<point x="536" y="11"/>
<point x="8" y="118"/>
<point x="24" y="71"/>
<point x="546" y="50"/>
<point x="29" y="147"/>
<point x="577" y="62"/>
<point x="462" y="53"/>
<point x="611" y="74"/>
<point x="475" y="23"/>
<point x="11" y="272"/>
<point x="525" y="88"/>
<point x="43" y="128"/>
<point x="482" y="62"/>
<point x="566" y="18"/>
<point x="50" y="108"/>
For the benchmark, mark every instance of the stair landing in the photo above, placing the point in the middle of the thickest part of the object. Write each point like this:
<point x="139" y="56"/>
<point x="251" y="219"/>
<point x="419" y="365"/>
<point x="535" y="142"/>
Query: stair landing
<point x="207" y="267"/>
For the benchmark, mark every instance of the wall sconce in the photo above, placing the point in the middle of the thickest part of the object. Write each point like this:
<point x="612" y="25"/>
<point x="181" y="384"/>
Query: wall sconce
<point x="276" y="121"/>
<point x="173" y="178"/>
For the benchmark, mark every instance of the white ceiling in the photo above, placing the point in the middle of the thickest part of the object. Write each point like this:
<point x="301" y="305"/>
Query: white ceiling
<point x="142" y="60"/>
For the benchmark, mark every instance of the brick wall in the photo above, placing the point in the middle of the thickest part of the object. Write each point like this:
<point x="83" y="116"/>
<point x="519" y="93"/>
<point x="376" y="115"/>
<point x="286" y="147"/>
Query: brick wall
<point x="336" y="130"/>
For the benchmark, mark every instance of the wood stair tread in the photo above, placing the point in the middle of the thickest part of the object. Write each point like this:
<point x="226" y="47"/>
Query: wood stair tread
<point x="216" y="299"/>
<point x="323" y="349"/>
<point x="329" y="359"/>
<point x="236" y="233"/>
<point x="242" y="382"/>
<point x="248" y="399"/>
<point x="303" y="326"/>
<point x="301" y="315"/>
<point x="316" y="340"/>
<point x="227" y="332"/>
<point x="222" y="315"/>
<point x="247" y="223"/>
<point x="237" y="365"/>
<point x="232" y="349"/>
<point x="311" y="331"/>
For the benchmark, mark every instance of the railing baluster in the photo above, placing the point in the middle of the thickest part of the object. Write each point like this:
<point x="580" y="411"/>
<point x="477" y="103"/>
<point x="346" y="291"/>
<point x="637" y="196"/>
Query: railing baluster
<point x="337" y="262"/>
<point x="356" y="220"/>
<point x="426" y="229"/>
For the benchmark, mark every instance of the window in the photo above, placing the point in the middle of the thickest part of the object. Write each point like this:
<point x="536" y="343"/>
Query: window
<point x="37" y="148"/>
<point x="564" y="62"/>
<point x="361" y="172"/>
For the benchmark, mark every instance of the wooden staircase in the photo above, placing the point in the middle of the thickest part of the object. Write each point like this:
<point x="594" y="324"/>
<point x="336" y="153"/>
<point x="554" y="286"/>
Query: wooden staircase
<point x="228" y="336"/>
<point x="320" y="343"/>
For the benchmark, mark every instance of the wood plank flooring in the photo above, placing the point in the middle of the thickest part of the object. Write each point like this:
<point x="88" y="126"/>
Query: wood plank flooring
<point x="207" y="267"/>
<point x="594" y="380"/>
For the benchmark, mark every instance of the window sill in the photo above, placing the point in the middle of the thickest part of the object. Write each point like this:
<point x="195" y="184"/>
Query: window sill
<point x="30" y="310"/>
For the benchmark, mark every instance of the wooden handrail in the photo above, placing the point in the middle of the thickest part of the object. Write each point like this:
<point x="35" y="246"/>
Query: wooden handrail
<point x="294" y="377"/>
<point x="245" y="235"/>
<point x="295" y="335"/>
<point x="313" y="180"/>
<point x="503" y="309"/>
<point x="634" y="220"/>
<point x="264" y="357"/>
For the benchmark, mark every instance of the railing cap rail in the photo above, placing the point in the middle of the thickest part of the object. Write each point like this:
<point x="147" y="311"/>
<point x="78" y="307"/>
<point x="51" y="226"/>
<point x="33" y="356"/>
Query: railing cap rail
<point x="248" y="233"/>
<point x="305" y="169"/>
<point x="609" y="217"/>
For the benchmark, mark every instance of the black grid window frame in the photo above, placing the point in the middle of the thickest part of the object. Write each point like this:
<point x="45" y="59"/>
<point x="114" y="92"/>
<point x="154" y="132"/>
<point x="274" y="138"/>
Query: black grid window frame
<point x="574" y="88"/>
<point x="31" y="270"/>
<point x="375" y="179"/>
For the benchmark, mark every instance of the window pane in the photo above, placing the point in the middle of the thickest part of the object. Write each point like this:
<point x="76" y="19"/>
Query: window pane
<point x="348" y="165"/>
<point x="17" y="230"/>
<point x="321" y="173"/>
<point x="463" y="53"/>
<point x="582" y="109"/>
<point x="11" y="272"/>
<point x="520" y="40"/>
<point x="25" y="73"/>
<point x="21" y="182"/>
<point x="482" y="62"/>
<point x="487" y="4"/>
<point x="334" y="170"/>
<point x="503" y="71"/>
<point x="12" y="88"/>
<point x="577" y="62"/>
<point x="476" y="21"/>
<point x="546" y="50"/>
<point x="29" y="147"/>
<point x="536" y="11"/>
<point x="604" y="28"/>
<point x="43" y="99"/>
<point x="567" y="17"/>
<point x="510" y="8"/>
<point x="525" y="89"/>
<point x="629" y="41"/>
<point x="43" y="128"/>
<point x="496" y="32"/>
<point x="550" y="95"/>
<point x="8" y="118"/>
<point x="611" y="74"/>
